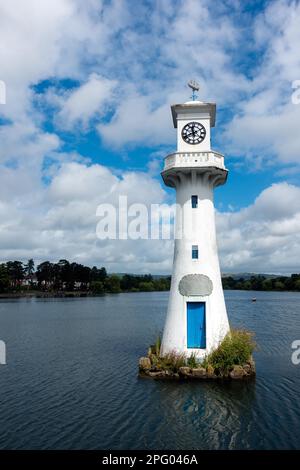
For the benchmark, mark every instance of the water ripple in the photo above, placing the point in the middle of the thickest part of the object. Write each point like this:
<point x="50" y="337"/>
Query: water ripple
<point x="71" y="380"/>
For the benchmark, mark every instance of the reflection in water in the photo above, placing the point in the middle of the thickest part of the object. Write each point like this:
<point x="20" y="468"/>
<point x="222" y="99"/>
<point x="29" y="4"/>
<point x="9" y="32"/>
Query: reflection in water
<point x="71" y="379"/>
<point x="209" y="415"/>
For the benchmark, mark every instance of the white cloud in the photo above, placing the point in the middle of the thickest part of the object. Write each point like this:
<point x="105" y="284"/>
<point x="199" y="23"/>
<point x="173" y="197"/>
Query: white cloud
<point x="99" y="44"/>
<point x="90" y="99"/>
<point x="181" y="41"/>
<point x="56" y="39"/>
<point x="265" y="128"/>
<point x="23" y="142"/>
<point x="264" y="237"/>
<point x="136" y="123"/>
<point x="60" y="221"/>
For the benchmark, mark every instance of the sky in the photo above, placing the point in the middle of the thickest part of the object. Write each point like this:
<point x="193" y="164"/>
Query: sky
<point x="87" y="118"/>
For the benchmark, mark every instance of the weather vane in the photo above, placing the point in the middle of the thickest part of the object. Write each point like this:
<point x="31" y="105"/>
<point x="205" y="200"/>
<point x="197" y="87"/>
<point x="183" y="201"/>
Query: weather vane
<point x="195" y="87"/>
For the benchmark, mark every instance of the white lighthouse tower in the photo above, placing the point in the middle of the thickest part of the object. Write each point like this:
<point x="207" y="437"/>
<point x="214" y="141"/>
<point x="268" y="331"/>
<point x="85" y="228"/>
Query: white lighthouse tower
<point x="196" y="319"/>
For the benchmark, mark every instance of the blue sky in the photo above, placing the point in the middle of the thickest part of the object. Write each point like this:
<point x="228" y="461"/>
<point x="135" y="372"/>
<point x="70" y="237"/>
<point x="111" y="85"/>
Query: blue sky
<point x="87" y="118"/>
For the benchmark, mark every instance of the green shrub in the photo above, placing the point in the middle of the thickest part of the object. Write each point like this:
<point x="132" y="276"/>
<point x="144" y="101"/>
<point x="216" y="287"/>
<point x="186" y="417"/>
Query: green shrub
<point x="172" y="361"/>
<point x="235" y="349"/>
<point x="192" y="361"/>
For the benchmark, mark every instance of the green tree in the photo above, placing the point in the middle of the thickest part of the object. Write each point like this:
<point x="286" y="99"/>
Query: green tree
<point x="4" y="278"/>
<point x="29" y="267"/>
<point x="65" y="274"/>
<point x="256" y="282"/>
<point x="102" y="274"/>
<point x="98" y="274"/>
<point x="297" y="285"/>
<point x="267" y="284"/>
<point x="97" y="287"/>
<point x="247" y="285"/>
<point x="45" y="274"/>
<point x="295" y="282"/>
<point x="15" y="272"/>
<point x="279" y="285"/>
<point x="83" y="275"/>
<point x="112" y="284"/>
<point x="146" y="286"/>
<point x="228" y="282"/>
<point x="162" y="283"/>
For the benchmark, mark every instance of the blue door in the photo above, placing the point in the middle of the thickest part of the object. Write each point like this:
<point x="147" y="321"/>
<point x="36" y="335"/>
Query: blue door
<point x="196" y="328"/>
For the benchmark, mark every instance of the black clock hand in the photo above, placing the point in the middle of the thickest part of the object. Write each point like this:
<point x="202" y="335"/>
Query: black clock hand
<point x="194" y="131"/>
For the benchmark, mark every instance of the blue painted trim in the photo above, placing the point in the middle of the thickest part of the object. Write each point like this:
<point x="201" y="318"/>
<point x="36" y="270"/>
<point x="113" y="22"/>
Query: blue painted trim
<point x="196" y="325"/>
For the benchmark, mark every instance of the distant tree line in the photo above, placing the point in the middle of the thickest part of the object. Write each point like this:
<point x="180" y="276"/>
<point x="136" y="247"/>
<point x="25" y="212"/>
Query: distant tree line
<point x="16" y="276"/>
<point x="259" y="282"/>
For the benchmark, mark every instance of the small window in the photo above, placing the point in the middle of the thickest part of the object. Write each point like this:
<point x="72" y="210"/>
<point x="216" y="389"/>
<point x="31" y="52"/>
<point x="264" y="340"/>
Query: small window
<point x="194" y="202"/>
<point x="194" y="251"/>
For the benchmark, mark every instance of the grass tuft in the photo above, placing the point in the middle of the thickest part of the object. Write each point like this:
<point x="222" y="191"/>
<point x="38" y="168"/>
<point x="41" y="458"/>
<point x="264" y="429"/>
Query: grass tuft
<point x="172" y="361"/>
<point x="157" y="346"/>
<point x="235" y="349"/>
<point x="192" y="361"/>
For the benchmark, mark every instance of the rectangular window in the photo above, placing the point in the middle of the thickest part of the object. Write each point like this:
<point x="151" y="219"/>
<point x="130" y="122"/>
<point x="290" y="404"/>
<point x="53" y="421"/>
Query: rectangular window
<point x="194" y="251"/>
<point x="194" y="202"/>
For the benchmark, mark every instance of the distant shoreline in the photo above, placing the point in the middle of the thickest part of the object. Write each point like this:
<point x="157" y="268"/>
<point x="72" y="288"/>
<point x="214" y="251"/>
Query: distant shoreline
<point x="65" y="279"/>
<point x="62" y="295"/>
<point x="82" y="294"/>
<point x="45" y="295"/>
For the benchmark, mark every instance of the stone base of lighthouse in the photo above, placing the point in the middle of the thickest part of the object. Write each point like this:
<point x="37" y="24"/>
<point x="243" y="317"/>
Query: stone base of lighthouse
<point x="148" y="367"/>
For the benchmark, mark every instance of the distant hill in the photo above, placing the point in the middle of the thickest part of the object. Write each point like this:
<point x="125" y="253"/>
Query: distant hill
<point x="155" y="276"/>
<point x="247" y="276"/>
<point x="235" y="276"/>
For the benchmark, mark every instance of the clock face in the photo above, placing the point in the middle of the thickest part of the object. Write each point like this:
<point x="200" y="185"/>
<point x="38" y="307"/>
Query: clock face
<point x="193" y="133"/>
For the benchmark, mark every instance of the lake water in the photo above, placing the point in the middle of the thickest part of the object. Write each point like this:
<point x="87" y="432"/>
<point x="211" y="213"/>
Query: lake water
<point x="71" y="378"/>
